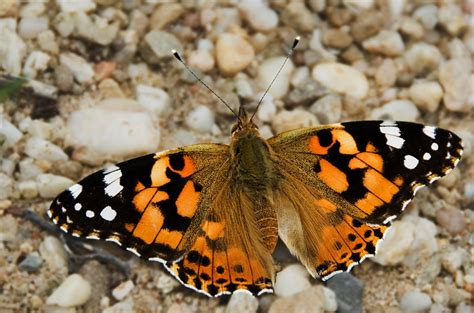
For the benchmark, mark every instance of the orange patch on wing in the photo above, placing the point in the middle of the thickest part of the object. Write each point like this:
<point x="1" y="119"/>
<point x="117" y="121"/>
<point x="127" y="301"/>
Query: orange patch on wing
<point x="372" y="159"/>
<point x="348" y="144"/>
<point x="214" y="230"/>
<point x="187" y="200"/>
<point x="139" y="187"/>
<point x="333" y="177"/>
<point x="379" y="185"/>
<point x="171" y="238"/>
<point x="399" y="181"/>
<point x="146" y="196"/>
<point x="129" y="227"/>
<point x="355" y="163"/>
<point x="326" y="205"/>
<point x="158" y="172"/>
<point x="369" y="203"/>
<point x="239" y="266"/>
<point x="149" y="225"/>
<point x="189" y="167"/>
<point x="370" y="148"/>
<point x="316" y="148"/>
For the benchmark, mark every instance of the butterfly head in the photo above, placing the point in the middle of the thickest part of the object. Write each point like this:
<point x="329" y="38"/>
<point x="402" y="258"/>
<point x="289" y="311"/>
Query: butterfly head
<point x="244" y="123"/>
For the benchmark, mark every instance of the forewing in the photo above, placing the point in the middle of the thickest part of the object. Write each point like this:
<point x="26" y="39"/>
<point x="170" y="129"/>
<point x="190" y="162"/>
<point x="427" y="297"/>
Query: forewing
<point x="151" y="205"/>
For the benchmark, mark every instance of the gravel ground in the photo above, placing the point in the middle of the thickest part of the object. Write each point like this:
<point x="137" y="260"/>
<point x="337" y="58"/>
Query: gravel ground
<point x="88" y="83"/>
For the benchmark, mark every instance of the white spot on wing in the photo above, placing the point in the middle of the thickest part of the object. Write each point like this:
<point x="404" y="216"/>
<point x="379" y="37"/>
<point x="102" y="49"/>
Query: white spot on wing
<point x="434" y="146"/>
<point x="392" y="133"/>
<point x="426" y="156"/>
<point x="77" y="206"/>
<point x="108" y="213"/>
<point x="430" y="131"/>
<point x="112" y="181"/>
<point x="90" y="214"/>
<point x="113" y="189"/>
<point x="134" y="251"/>
<point x="410" y="162"/>
<point x="391" y="130"/>
<point x="394" y="141"/>
<point x="75" y="190"/>
<point x="110" y="169"/>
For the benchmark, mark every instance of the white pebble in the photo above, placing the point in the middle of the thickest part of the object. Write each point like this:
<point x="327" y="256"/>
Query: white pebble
<point x="300" y="76"/>
<point x="31" y="27"/>
<point x="455" y="76"/>
<point x="73" y="291"/>
<point x="128" y="131"/>
<point x="291" y="280"/>
<point x="267" y="71"/>
<point x="122" y="290"/>
<point x="342" y="78"/>
<point x="82" y="70"/>
<point x="359" y="4"/>
<point x="6" y="186"/>
<point x="12" y="50"/>
<point x="397" y="110"/>
<point x="242" y="302"/>
<point x="11" y="133"/>
<point x="267" y="109"/>
<point x="453" y="260"/>
<point x="427" y="15"/>
<point x="37" y="61"/>
<point x="422" y="57"/>
<point x="200" y="119"/>
<point x="396" y="245"/>
<point x="330" y="304"/>
<point x="386" y="42"/>
<point x="53" y="252"/>
<point x="259" y="15"/>
<point x="32" y="9"/>
<point x="41" y="149"/>
<point x="426" y="95"/>
<point x="451" y="17"/>
<point x="153" y="99"/>
<point x="28" y="189"/>
<point x="289" y="120"/>
<point x="233" y="53"/>
<point x="49" y="185"/>
<point x="415" y="301"/>
<point x="76" y="6"/>
<point x="202" y="60"/>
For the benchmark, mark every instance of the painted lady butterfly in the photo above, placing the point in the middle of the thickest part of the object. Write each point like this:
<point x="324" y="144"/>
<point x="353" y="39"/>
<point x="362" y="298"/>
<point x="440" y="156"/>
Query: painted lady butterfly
<point x="212" y="213"/>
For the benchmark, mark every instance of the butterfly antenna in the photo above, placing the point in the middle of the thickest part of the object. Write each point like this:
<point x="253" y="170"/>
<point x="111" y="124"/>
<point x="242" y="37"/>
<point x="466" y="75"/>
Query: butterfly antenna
<point x="178" y="57"/>
<point x="295" y="43"/>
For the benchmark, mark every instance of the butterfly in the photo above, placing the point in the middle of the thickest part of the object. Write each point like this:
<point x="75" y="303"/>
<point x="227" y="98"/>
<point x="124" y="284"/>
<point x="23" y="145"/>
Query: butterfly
<point x="213" y="213"/>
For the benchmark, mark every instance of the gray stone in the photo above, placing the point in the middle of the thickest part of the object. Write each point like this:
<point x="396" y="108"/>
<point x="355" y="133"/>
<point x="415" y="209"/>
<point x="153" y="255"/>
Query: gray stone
<point x="31" y="263"/>
<point x="348" y="291"/>
<point x="305" y="94"/>
<point x="157" y="46"/>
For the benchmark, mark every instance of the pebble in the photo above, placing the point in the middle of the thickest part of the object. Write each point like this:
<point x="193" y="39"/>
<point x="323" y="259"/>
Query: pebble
<point x="8" y="8"/>
<point x="154" y="99"/>
<point x="28" y="189"/>
<point x="179" y="308"/>
<point x="386" y="74"/>
<point x="464" y="307"/>
<point x="129" y="131"/>
<point x="452" y="260"/>
<point x="123" y="290"/>
<point x="415" y="301"/>
<point x="305" y="94"/>
<point x="427" y="15"/>
<point x="366" y="25"/>
<point x="73" y="291"/>
<point x="318" y="53"/>
<point x="76" y="6"/>
<point x="41" y="149"/>
<point x="31" y="263"/>
<point x="348" y="290"/>
<point x="9" y="131"/>
<point x="31" y="27"/>
<point x="202" y="60"/>
<point x="291" y="280"/>
<point x="424" y="244"/>
<point x="300" y="76"/>
<point x="296" y="15"/>
<point x="49" y="185"/>
<point x="469" y="190"/>
<point x="359" y="4"/>
<point x="396" y="244"/>
<point x="82" y="70"/>
<point x="412" y="28"/>
<point x="342" y="78"/>
<point x="328" y="109"/>
<point x="29" y="169"/>
<point x="36" y="61"/>
<point x="267" y="71"/>
<point x="267" y="110"/>
<point x="12" y="50"/>
<point x="451" y="18"/>
<point x="455" y="76"/>
<point x="336" y="38"/>
<point x="200" y="119"/>
<point x="97" y="30"/>
<point x="47" y="42"/>
<point x="422" y="58"/>
<point x="289" y="120"/>
<point x="109" y="88"/>
<point x="310" y="300"/>
<point x="233" y="53"/>
<point x="32" y="9"/>
<point x="157" y="45"/>
<point x="397" y="110"/>
<point x="242" y="302"/>
<point x="426" y="95"/>
<point x="451" y="219"/>
<point x="64" y="78"/>
<point x="165" y="14"/>
<point x="386" y="42"/>
<point x="259" y="15"/>
<point x="54" y="254"/>
<point x="8" y="226"/>
<point x="330" y="302"/>
<point x="121" y="307"/>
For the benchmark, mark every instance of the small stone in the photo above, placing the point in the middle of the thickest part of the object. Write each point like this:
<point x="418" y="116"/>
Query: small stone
<point x="412" y="28"/>
<point x="427" y="15"/>
<point x="455" y="76"/>
<point x="457" y="295"/>
<point x="31" y="263"/>
<point x="305" y="94"/>
<point x="452" y="260"/>
<point x="342" y="78"/>
<point x="469" y="190"/>
<point x="386" y="74"/>
<point x="49" y="185"/>
<point x="451" y="219"/>
<point x="348" y="290"/>
<point x="8" y="8"/>
<point x="32" y="9"/>
<point x="53" y="252"/>
<point x="165" y="14"/>
<point x="29" y="169"/>
<point x="93" y="28"/>
<point x="129" y="131"/>
<point x="203" y="60"/>
<point x="318" y="52"/>
<point x="83" y="71"/>
<point x="73" y="291"/>
<point x="233" y="53"/>
<point x="76" y="6"/>
<point x="451" y="18"/>
<point x="426" y="95"/>
<point x="267" y="71"/>
<point x="328" y="109"/>
<point x="267" y="109"/>
<point x="297" y="16"/>
<point x="10" y="133"/>
<point x="28" y="189"/>
<point x="366" y="25"/>
<point x="289" y="120"/>
<point x="397" y="244"/>
<point x="242" y="303"/>
<point x="339" y="16"/>
<point x="336" y="38"/>
<point x="464" y="307"/>
<point x="109" y="88"/>
<point x="397" y="110"/>
<point x="200" y="119"/>
<point x="300" y="76"/>
<point x="64" y="78"/>
<point x="154" y="99"/>
<point x="386" y="42"/>
<point x="104" y="69"/>
<point x="36" y="62"/>
<point x="310" y="300"/>
<point x="122" y="290"/>
<point x="359" y="4"/>
<point x="330" y="303"/>
<point x="40" y="149"/>
<point x="259" y="15"/>
<point x="291" y="280"/>
<point x="31" y="27"/>
<point x="415" y="301"/>
<point x="422" y="58"/>
<point x="12" y="50"/>
<point x="352" y="54"/>
<point x="121" y="307"/>
<point x="157" y="45"/>
<point x="8" y="225"/>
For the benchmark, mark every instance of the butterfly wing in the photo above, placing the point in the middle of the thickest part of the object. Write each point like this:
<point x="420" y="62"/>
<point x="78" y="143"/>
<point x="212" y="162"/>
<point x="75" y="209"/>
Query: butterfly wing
<point x="351" y="179"/>
<point x="151" y="205"/>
